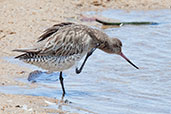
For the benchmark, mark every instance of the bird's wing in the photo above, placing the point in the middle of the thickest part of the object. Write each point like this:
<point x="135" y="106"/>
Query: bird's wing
<point x="68" y="41"/>
<point x="65" y="41"/>
<point x="48" y="32"/>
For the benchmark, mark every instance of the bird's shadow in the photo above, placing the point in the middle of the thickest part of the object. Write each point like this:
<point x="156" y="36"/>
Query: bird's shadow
<point x="51" y="78"/>
<point x="42" y="77"/>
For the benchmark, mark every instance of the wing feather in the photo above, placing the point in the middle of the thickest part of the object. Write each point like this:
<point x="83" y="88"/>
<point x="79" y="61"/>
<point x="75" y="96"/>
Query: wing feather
<point x="67" y="42"/>
<point x="65" y="39"/>
<point x="48" y="32"/>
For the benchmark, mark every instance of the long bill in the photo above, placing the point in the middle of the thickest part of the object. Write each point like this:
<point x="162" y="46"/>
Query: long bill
<point x="121" y="54"/>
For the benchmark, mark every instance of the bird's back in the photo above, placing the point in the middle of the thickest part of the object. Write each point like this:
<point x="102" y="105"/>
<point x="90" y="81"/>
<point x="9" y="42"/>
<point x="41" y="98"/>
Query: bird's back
<point x="60" y="47"/>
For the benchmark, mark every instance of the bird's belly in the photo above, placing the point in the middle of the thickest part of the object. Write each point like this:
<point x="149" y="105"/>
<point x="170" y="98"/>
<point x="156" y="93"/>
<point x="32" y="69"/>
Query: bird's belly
<point x="53" y="63"/>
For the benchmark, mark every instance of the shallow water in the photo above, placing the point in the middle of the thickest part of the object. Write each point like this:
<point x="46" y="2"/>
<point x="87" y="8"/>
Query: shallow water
<point x="108" y="84"/>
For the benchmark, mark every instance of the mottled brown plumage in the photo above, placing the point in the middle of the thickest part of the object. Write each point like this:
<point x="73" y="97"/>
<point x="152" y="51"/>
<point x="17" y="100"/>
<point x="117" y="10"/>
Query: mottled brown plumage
<point x="64" y="44"/>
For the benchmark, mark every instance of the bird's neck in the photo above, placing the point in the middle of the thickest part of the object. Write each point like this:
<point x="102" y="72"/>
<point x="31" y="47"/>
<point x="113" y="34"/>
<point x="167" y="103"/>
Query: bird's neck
<point x="104" y="40"/>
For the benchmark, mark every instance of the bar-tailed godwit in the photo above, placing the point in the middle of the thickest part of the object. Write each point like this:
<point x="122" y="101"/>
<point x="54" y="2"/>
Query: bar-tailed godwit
<point x="64" y="44"/>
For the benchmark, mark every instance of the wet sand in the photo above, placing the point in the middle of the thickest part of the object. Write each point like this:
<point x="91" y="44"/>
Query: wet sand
<point x="23" y="21"/>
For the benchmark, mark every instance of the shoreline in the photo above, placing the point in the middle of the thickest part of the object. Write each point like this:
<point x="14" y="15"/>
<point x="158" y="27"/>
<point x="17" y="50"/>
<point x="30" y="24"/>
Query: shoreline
<point x="21" y="24"/>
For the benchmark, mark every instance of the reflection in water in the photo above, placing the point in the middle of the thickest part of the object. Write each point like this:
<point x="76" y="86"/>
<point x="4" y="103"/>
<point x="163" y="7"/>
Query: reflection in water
<point x="108" y="84"/>
<point x="39" y="76"/>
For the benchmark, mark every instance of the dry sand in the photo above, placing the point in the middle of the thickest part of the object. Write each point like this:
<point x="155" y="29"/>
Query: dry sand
<point x="22" y="21"/>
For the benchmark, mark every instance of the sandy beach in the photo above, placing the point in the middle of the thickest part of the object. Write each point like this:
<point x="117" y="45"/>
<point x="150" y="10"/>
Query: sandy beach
<point x="22" y="21"/>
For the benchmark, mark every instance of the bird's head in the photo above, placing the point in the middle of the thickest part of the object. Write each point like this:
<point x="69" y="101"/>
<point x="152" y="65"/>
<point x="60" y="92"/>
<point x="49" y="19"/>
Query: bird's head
<point x="114" y="46"/>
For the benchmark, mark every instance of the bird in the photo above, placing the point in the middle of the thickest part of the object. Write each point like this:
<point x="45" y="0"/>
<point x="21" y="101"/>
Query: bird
<point x="63" y="45"/>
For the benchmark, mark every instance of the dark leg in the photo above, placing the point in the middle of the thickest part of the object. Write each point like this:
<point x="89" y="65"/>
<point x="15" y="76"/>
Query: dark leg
<point x="88" y="55"/>
<point x="62" y="84"/>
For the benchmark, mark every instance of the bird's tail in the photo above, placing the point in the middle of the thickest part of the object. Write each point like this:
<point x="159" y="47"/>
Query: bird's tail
<point x="27" y="53"/>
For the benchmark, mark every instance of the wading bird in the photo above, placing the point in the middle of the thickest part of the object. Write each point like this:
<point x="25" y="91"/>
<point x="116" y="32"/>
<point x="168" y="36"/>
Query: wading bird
<point x="64" y="44"/>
